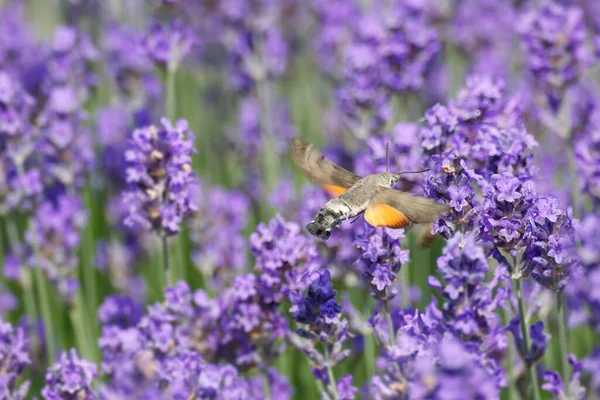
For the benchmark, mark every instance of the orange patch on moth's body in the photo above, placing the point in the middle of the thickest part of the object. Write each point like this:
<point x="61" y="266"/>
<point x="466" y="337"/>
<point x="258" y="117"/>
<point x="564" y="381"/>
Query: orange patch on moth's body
<point x="381" y="214"/>
<point x="334" y="191"/>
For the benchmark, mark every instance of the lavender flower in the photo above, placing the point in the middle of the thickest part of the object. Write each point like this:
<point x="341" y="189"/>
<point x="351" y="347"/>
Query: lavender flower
<point x="539" y="340"/>
<point x="318" y="313"/>
<point x="160" y="171"/>
<point x="549" y="255"/>
<point x="582" y="294"/>
<point x="121" y="311"/>
<point x="362" y="98"/>
<point x="489" y="45"/>
<point x="381" y="260"/>
<point x="66" y="145"/>
<point x="70" y="377"/>
<point x="504" y="213"/>
<point x="56" y="233"/>
<point x="335" y="29"/>
<point x="555" y="50"/>
<point x="443" y="369"/>
<point x="169" y="352"/>
<point x="20" y="178"/>
<point x="168" y="44"/>
<point x="286" y="259"/>
<point x="217" y="233"/>
<point x="471" y="302"/>
<point x="410" y="46"/>
<point x="14" y="358"/>
<point x="127" y="62"/>
<point x="553" y="383"/>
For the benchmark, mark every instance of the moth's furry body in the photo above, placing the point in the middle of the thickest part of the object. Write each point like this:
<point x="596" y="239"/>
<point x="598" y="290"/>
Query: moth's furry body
<point x="350" y="204"/>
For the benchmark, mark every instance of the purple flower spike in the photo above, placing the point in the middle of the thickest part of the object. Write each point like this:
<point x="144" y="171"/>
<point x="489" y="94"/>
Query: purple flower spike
<point x="70" y="377"/>
<point x="550" y="254"/>
<point x="556" y="53"/>
<point x="160" y="174"/>
<point x="167" y="45"/>
<point x="381" y="260"/>
<point x="14" y="358"/>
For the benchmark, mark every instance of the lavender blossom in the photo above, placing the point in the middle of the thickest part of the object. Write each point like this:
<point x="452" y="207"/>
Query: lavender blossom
<point x="504" y="213"/>
<point x="70" y="377"/>
<point x="286" y="259"/>
<point x="381" y="260"/>
<point x="550" y="253"/>
<point x="553" y="383"/>
<point x="170" y="350"/>
<point x="555" y="50"/>
<point x="129" y="65"/>
<point x="14" y="358"/>
<point x="160" y="173"/>
<point x="409" y="47"/>
<point x="582" y="295"/>
<point x="56" y="233"/>
<point x="66" y="145"/>
<point x="20" y="178"/>
<point x="167" y="45"/>
<point x="539" y="340"/>
<point x="217" y="233"/>
<point x="444" y="369"/>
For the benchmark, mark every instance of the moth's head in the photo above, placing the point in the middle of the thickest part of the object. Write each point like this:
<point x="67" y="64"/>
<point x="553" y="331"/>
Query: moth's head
<point x="390" y="178"/>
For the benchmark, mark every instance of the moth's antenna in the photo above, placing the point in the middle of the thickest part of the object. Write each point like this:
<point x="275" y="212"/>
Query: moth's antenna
<point x="387" y="157"/>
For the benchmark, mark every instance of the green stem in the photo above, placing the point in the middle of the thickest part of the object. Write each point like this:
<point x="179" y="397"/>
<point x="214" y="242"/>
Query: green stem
<point x="533" y="381"/>
<point x="29" y="296"/>
<point x="88" y="270"/>
<point x="171" y="100"/>
<point x="574" y="183"/>
<point x="41" y="286"/>
<point x="562" y="337"/>
<point x="83" y="336"/>
<point x="181" y="257"/>
<point x="514" y="393"/>
<point x="369" y="355"/>
<point x="267" y="386"/>
<point x="331" y="376"/>
<point x="388" y="319"/>
<point x="169" y="278"/>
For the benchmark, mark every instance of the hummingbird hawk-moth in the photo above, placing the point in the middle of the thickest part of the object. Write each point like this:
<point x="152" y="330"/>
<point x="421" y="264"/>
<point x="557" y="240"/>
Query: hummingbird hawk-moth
<point x="372" y="195"/>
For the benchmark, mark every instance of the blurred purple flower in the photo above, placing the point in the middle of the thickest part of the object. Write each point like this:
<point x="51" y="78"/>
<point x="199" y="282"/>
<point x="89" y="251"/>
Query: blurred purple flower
<point x="56" y="233"/>
<point x="553" y="382"/>
<point x="14" y="358"/>
<point x="70" y="377"/>
<point x="345" y="389"/>
<point x="217" y="233"/>
<point x="556" y="53"/>
<point x="168" y="44"/>
<point x="121" y="311"/>
<point x="408" y="49"/>
<point x="20" y="178"/>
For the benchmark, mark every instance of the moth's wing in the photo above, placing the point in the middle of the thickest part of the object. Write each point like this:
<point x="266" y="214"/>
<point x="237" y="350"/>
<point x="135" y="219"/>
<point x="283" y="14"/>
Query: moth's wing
<point x="333" y="178"/>
<point x="395" y="209"/>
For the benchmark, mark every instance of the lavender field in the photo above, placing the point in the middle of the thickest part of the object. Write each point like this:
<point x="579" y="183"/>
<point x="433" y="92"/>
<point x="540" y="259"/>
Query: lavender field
<point x="153" y="219"/>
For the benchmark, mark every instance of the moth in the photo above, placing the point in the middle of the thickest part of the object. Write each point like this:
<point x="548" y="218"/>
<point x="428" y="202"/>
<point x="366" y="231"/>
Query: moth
<point x="371" y="195"/>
